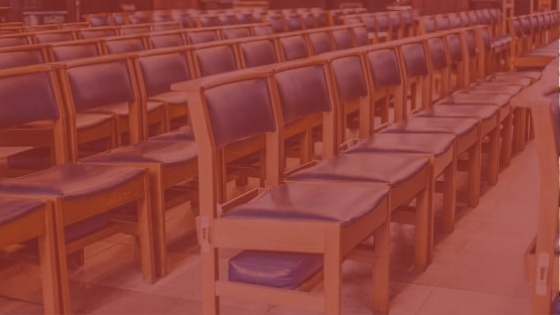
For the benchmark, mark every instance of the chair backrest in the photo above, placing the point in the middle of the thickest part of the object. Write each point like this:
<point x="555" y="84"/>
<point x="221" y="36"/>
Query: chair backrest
<point x="208" y="20"/>
<point x="294" y="22"/>
<point x="437" y="52"/>
<point x="76" y="50"/>
<point x="453" y="43"/>
<point x="293" y="47"/>
<point x="429" y="24"/>
<point x="135" y="29"/>
<point x="465" y="21"/>
<point x="407" y="19"/>
<point x="158" y="70"/>
<point x="383" y="68"/>
<point x="473" y="18"/>
<point x="214" y="59"/>
<point x="166" y="39"/>
<point x="276" y="22"/>
<point x="245" y="18"/>
<point x="308" y="20"/>
<point x="349" y="81"/>
<point x="455" y="21"/>
<point x="14" y="40"/>
<point x="226" y="19"/>
<point x="369" y="22"/>
<point x="442" y="22"/>
<point x="342" y="38"/>
<point x="293" y="85"/>
<point x="97" y="32"/>
<point x="263" y="30"/>
<point x="54" y="36"/>
<point x="394" y="20"/>
<point x="99" y="20"/>
<point x="414" y="60"/>
<point x="21" y="56"/>
<point x="361" y="36"/>
<point x="321" y="18"/>
<point x="202" y="36"/>
<point x="382" y="22"/>
<point x="124" y="44"/>
<point x="320" y="42"/>
<point x="165" y="26"/>
<point x="257" y="53"/>
<point x="237" y="32"/>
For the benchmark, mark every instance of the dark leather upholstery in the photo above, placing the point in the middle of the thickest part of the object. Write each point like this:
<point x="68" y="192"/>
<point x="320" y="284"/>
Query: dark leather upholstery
<point x="482" y="99"/>
<point x="13" y="209"/>
<point x="135" y="30"/>
<point x="437" y="53"/>
<point x="209" y="20"/>
<point x="342" y="39"/>
<point x="471" y="44"/>
<point x="454" y="46"/>
<point x="62" y="53"/>
<point x="314" y="202"/>
<point x="308" y="21"/>
<point x="442" y="23"/>
<point x="13" y="41"/>
<point x="320" y="42"/>
<point x="473" y="17"/>
<point x="89" y="33"/>
<point x="215" y="60"/>
<point x="429" y="24"/>
<point x="369" y="22"/>
<point x="86" y="227"/>
<point x="274" y="269"/>
<point x="33" y="159"/>
<point x="384" y="67"/>
<point x="98" y="20"/>
<point x="361" y="35"/>
<point x="161" y="152"/>
<point x="236" y="33"/>
<point x="294" y="88"/>
<point x="127" y="45"/>
<point x="294" y="23"/>
<point x="448" y="125"/>
<point x="226" y="19"/>
<point x="167" y="40"/>
<point x="202" y="37"/>
<point x="258" y="53"/>
<point x="277" y="23"/>
<point x="240" y="110"/>
<point x="263" y="30"/>
<point x="363" y="167"/>
<point x="21" y="58"/>
<point x="382" y="22"/>
<point x="162" y="70"/>
<point x="245" y="18"/>
<point x="454" y="21"/>
<point x="395" y="21"/>
<point x="294" y="47"/>
<point x="475" y="111"/>
<point x="414" y="60"/>
<point x="70" y="181"/>
<point x="112" y="78"/>
<point x="53" y="37"/>
<point x="33" y="97"/>
<point x="436" y="144"/>
<point x="349" y="77"/>
<point x="181" y="134"/>
<point x="407" y="19"/>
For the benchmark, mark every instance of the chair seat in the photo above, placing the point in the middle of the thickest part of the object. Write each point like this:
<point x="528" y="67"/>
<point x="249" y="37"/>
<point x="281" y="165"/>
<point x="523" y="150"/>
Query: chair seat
<point x="274" y="269"/>
<point x="473" y="111"/>
<point x="181" y="134"/>
<point x="13" y="209"/>
<point x="71" y="181"/>
<point x="162" y="152"/>
<point x="534" y="75"/>
<point x="477" y="99"/>
<point x="172" y="98"/>
<point x="495" y="87"/>
<point x="510" y="80"/>
<point x="377" y="168"/>
<point x="302" y="201"/>
<point x="456" y="126"/>
<point x="87" y="120"/>
<point x="436" y="144"/>
<point x="33" y="159"/>
<point x="122" y="109"/>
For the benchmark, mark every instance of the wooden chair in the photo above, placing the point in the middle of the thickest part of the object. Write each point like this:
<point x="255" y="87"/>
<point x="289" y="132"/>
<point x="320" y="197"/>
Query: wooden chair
<point x="342" y="38"/>
<point x="125" y="44"/>
<point x="292" y="46"/>
<point x="207" y="20"/>
<point x="134" y="29"/>
<point x="258" y="51"/>
<point x="382" y="27"/>
<point x="281" y="242"/>
<point x="21" y="56"/>
<point x="98" y="32"/>
<point x="276" y="22"/>
<point x="214" y="58"/>
<point x="396" y="25"/>
<point x="82" y="195"/>
<point x="165" y="26"/>
<point x="85" y="48"/>
<point x="262" y="30"/>
<point x="54" y="36"/>
<point x="166" y="39"/>
<point x="235" y="33"/>
<point x="361" y="35"/>
<point x="294" y="23"/>
<point x="201" y="36"/>
<point x="14" y="40"/>
<point x="320" y="41"/>
<point x="427" y="24"/>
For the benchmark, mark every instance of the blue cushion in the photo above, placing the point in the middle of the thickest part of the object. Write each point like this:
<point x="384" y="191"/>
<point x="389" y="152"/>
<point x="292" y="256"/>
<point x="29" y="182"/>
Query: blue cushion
<point x="274" y="269"/>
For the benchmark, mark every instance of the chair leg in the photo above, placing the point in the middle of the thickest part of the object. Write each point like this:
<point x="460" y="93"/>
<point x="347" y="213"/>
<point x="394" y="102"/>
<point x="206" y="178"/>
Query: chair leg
<point x="61" y="259"/>
<point x="145" y="234"/>
<point x="494" y="157"/>
<point x="422" y="229"/>
<point x="210" y="301"/>
<point x="332" y="271"/>
<point x="449" y="196"/>
<point x="506" y="141"/>
<point x="474" y="174"/>
<point x="158" y="217"/>
<point x="381" y="269"/>
<point x="49" y="269"/>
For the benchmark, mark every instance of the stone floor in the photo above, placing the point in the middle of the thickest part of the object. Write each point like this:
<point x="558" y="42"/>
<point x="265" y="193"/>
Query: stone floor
<point x="477" y="270"/>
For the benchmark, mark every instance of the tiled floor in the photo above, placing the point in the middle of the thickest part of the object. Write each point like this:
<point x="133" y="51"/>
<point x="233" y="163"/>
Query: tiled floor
<point x="477" y="270"/>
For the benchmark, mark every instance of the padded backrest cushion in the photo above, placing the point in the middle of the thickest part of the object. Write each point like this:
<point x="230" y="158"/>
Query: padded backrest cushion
<point x="384" y="68"/>
<point x="13" y="41"/>
<point x="167" y="40"/>
<point x="294" y="47"/>
<point x="21" y="58"/>
<point x="202" y="37"/>
<point x="53" y="37"/>
<point x="361" y="35"/>
<point x="349" y="78"/>
<point x="258" y="53"/>
<point x="263" y="30"/>
<point x="160" y="71"/>
<point x="454" y="47"/>
<point x="124" y="45"/>
<point x="414" y="60"/>
<point x="27" y="98"/>
<point x="93" y="33"/>
<point x="342" y="39"/>
<point x="135" y="30"/>
<point x="236" y="33"/>
<point x="239" y="110"/>
<point x="320" y="42"/>
<point x="100" y="84"/>
<point x="429" y="24"/>
<point x="215" y="60"/>
<point x="62" y="53"/>
<point x="294" y="88"/>
<point x="436" y="50"/>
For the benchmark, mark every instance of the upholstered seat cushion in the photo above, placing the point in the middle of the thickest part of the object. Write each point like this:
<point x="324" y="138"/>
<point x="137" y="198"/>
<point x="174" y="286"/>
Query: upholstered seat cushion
<point x="181" y="134"/>
<point x="70" y="181"/>
<point x="274" y="269"/>
<point x="164" y="152"/>
<point x="534" y="75"/>
<point x="456" y="126"/>
<point x="494" y="87"/>
<point x="303" y="201"/>
<point x="477" y="99"/>
<point x="122" y="109"/>
<point x="510" y="80"/>
<point x="365" y="167"/>
<point x="436" y="144"/>
<point x="13" y="209"/>
<point x="33" y="159"/>
<point x="88" y="120"/>
<point x="474" y="111"/>
<point x="172" y="98"/>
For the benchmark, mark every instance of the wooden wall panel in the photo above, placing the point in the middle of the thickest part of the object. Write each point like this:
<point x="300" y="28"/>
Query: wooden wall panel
<point x="172" y="4"/>
<point x="430" y="7"/>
